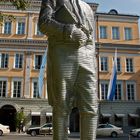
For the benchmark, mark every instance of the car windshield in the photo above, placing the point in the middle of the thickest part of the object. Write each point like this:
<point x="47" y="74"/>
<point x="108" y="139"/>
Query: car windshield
<point x="105" y="126"/>
<point x="34" y="126"/>
<point x="101" y="126"/>
<point x="47" y="125"/>
<point x="108" y="126"/>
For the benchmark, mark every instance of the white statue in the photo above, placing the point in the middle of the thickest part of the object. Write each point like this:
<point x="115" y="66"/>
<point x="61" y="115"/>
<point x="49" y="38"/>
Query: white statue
<point x="71" y="66"/>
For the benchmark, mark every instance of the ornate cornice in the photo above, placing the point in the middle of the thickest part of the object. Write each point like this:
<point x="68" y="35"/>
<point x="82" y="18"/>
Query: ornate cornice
<point x="117" y="17"/>
<point x="23" y="45"/>
<point x="25" y="41"/>
<point x="113" y="46"/>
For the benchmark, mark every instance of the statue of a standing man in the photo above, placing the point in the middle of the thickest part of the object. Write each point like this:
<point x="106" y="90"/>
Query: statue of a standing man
<point x="71" y="66"/>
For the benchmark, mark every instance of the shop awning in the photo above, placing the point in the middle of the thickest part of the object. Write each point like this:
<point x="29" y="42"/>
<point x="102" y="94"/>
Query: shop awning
<point x="48" y="114"/>
<point x="134" y="115"/>
<point x="35" y="113"/>
<point x="120" y="115"/>
<point x="106" y="115"/>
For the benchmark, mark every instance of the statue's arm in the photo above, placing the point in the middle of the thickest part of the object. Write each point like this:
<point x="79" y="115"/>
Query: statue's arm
<point x="47" y="24"/>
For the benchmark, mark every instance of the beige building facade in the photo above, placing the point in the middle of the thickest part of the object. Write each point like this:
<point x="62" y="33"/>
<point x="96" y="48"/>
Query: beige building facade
<point x="21" y="50"/>
<point x="22" y="47"/>
<point x="118" y="32"/>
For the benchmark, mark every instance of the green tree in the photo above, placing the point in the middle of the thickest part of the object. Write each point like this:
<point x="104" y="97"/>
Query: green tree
<point x="19" y="4"/>
<point x="20" y="118"/>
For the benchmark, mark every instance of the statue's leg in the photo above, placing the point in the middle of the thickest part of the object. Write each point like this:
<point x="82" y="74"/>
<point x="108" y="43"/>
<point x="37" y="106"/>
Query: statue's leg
<point x="60" y="124"/>
<point x="64" y="73"/>
<point x="86" y="87"/>
<point x="88" y="124"/>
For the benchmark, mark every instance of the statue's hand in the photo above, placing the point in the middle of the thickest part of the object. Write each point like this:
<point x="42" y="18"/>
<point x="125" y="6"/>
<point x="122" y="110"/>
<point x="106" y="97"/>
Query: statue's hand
<point x="78" y="35"/>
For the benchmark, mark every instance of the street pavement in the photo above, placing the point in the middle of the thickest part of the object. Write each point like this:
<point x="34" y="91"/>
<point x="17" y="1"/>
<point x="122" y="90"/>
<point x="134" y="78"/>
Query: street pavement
<point x="72" y="136"/>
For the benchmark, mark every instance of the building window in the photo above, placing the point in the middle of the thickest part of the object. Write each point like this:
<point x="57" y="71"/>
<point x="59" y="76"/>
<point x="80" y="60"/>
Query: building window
<point x="7" y="27"/>
<point x="118" y="121"/>
<point x="38" y="31"/>
<point x="49" y="119"/>
<point x="130" y="88"/>
<point x="118" y="65"/>
<point x="4" y="60"/>
<point x="133" y="120"/>
<point x="18" y="61"/>
<point x="104" y="64"/>
<point x="38" y="61"/>
<point x="118" y="92"/>
<point x="115" y="33"/>
<point x="103" y="32"/>
<point x="35" y="120"/>
<point x="128" y="33"/>
<point x="129" y="65"/>
<point x="3" y="86"/>
<point x="17" y="89"/>
<point x="35" y="90"/>
<point x="104" y="91"/>
<point x="104" y="120"/>
<point x="21" y="28"/>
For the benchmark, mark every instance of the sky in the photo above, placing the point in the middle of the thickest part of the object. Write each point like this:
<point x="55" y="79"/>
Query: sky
<point x="122" y="6"/>
<point x="131" y="7"/>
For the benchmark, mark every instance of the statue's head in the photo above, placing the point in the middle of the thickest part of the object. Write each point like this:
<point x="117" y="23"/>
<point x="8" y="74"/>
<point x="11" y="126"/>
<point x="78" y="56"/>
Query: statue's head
<point x="50" y="2"/>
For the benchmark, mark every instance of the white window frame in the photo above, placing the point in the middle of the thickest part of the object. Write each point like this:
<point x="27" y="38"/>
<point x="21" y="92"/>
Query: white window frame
<point x="18" y="63"/>
<point x="34" y="66"/>
<point x="118" y="64"/>
<point x="4" y="60"/>
<point x="130" y="35"/>
<point x="33" y="81"/>
<point x="131" y="83"/>
<point x="37" y="32"/>
<point x="129" y="65"/>
<point x="116" y="36"/>
<point x="15" y="80"/>
<point x="22" y="20"/>
<point x="5" y="79"/>
<point x="104" y="70"/>
<point x="121" y="83"/>
<point x="103" y="35"/>
<point x="107" y="83"/>
<point x="3" y="27"/>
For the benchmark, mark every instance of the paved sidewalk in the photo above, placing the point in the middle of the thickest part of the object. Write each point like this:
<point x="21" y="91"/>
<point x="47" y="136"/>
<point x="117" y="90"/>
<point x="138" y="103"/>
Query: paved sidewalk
<point x="16" y="133"/>
<point x="72" y="135"/>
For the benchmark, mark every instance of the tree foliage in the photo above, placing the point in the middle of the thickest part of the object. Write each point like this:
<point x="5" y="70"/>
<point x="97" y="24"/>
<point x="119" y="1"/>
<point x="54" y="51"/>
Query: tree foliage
<point x="19" y="4"/>
<point x="20" y="118"/>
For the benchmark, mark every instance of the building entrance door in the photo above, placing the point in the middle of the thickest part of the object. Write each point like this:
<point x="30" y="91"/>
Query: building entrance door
<point x="7" y="116"/>
<point x="74" y="120"/>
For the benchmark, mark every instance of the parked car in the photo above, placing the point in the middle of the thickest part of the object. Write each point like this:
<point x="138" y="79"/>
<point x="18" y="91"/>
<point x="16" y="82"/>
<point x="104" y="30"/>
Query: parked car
<point x="135" y="132"/>
<point x="4" y="129"/>
<point x="109" y="130"/>
<point x="40" y="130"/>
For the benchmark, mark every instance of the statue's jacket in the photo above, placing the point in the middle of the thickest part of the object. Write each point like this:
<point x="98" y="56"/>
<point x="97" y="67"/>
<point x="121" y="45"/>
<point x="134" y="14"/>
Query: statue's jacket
<point x="71" y="59"/>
